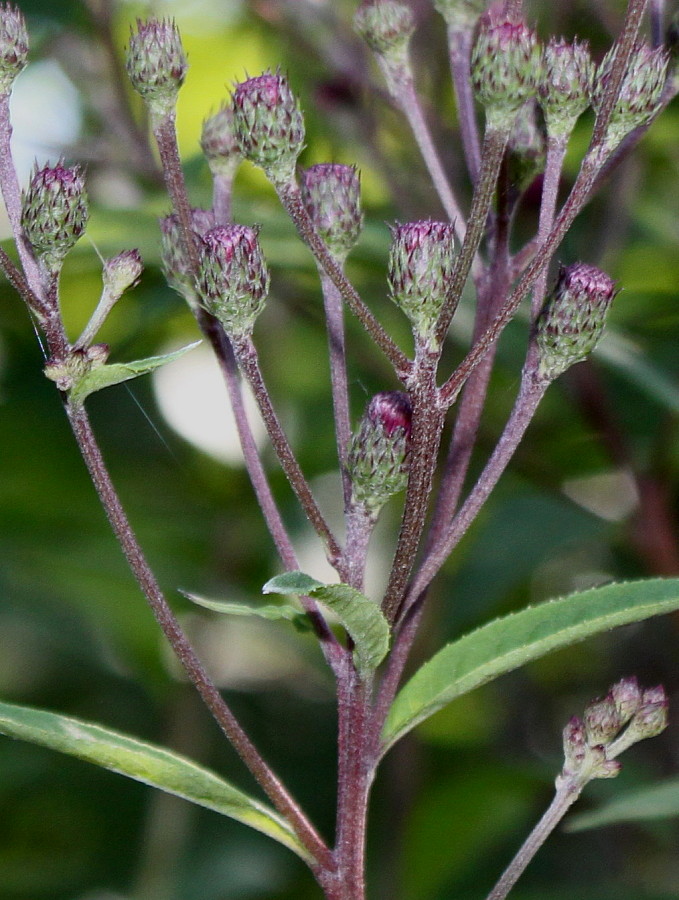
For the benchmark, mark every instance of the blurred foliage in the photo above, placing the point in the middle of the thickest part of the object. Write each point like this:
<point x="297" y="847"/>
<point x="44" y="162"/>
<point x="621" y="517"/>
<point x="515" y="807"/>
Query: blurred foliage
<point x="456" y="799"/>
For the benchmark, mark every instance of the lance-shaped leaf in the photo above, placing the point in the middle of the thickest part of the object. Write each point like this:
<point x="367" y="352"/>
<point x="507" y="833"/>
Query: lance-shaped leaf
<point x="269" y="611"/>
<point x="147" y="763"/>
<point x="115" y="373"/>
<point x="362" y="618"/>
<point x="510" y="642"/>
<point x="659" y="801"/>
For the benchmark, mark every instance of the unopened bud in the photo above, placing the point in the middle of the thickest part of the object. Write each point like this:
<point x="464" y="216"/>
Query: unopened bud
<point x="176" y="265"/>
<point x="54" y="212"/>
<point x="233" y="279"/>
<point x="122" y="272"/>
<point x="157" y="65"/>
<point x="66" y="372"/>
<point x="573" y="318"/>
<point x="13" y="45"/>
<point x="386" y="26"/>
<point x="626" y="695"/>
<point x="602" y="721"/>
<point x="566" y="86"/>
<point x="640" y="91"/>
<point x="505" y="67"/>
<point x="268" y="125"/>
<point x="218" y="143"/>
<point x="378" y="456"/>
<point x="460" y="15"/>
<point x="421" y="262"/>
<point x="332" y="196"/>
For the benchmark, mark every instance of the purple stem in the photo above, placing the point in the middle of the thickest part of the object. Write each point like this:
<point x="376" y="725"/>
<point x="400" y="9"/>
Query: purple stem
<point x="459" y="48"/>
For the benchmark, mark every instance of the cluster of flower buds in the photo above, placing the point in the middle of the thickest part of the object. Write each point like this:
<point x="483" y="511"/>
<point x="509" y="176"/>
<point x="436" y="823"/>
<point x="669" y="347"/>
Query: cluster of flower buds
<point x="572" y="320"/>
<point x="218" y="143"/>
<point x="233" y="280"/>
<point x="608" y="727"/>
<point x="378" y="456"/>
<point x="54" y="212"/>
<point x="268" y="125"/>
<point x="67" y="372"/>
<point x="13" y="45"/>
<point x="156" y="65"/>
<point x="506" y="66"/>
<point x="421" y="262"/>
<point x="640" y="93"/>
<point x="332" y="196"/>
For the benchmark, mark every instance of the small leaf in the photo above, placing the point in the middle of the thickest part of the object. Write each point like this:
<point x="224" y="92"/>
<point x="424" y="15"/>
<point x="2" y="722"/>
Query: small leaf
<point x="362" y="618"/>
<point x="147" y="763"/>
<point x="115" y="373"/>
<point x="510" y="642"/>
<point x="271" y="611"/>
<point x="659" y="801"/>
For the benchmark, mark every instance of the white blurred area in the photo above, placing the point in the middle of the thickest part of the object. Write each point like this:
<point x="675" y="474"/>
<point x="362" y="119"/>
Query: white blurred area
<point x="192" y="397"/>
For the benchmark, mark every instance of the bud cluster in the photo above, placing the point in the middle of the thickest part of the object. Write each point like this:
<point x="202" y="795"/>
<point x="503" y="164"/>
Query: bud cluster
<point x="378" y="456"/>
<point x="421" y="262"/>
<point x="67" y="372"/>
<point x="625" y="716"/>
<point x="332" y="196"/>
<point x="233" y="280"/>
<point x="573" y="318"/>
<point x="268" y="125"/>
<point x="54" y="212"/>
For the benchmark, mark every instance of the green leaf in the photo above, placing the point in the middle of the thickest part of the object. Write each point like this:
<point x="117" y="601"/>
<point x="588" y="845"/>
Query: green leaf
<point x="659" y="801"/>
<point x="362" y="618"/>
<point x="273" y="612"/>
<point x="115" y="373"/>
<point x="147" y="763"/>
<point x="510" y="642"/>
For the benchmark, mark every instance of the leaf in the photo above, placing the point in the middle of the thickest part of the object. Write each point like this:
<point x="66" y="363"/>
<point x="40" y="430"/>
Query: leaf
<point x="362" y="618"/>
<point x="115" y="373"/>
<point x="147" y="763"/>
<point x="271" y="611"/>
<point x="659" y="801"/>
<point x="510" y="642"/>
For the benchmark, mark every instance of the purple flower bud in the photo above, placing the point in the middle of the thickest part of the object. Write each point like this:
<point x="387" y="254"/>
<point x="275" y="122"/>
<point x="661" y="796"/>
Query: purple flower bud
<point x="156" y="65"/>
<point x="573" y="318"/>
<point x="566" y="86"/>
<point x="421" y="262"/>
<point x="506" y="65"/>
<point x="176" y="266"/>
<point x="54" y="212"/>
<point x="218" y="143"/>
<point x="640" y="92"/>
<point x="626" y="695"/>
<point x="602" y="721"/>
<point x="378" y="455"/>
<point x="332" y="196"/>
<point x="268" y="125"/>
<point x="385" y="25"/>
<point x="13" y="45"/>
<point x="651" y="717"/>
<point x="233" y="279"/>
<point x="574" y="746"/>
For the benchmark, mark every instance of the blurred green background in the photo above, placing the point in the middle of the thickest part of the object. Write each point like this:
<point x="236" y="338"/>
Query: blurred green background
<point x="591" y="496"/>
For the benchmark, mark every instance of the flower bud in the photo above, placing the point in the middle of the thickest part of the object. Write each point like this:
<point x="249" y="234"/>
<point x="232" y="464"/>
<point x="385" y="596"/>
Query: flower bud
<point x="421" y="263"/>
<point x="176" y="266"/>
<point x="505" y="67"/>
<point x="574" y="746"/>
<point x="156" y="65"/>
<point x="268" y="125"/>
<point x="566" y="86"/>
<point x="66" y="372"/>
<point x="626" y="695"/>
<point x="13" y="45"/>
<point x="378" y="456"/>
<point x="651" y="717"/>
<point x="332" y="196"/>
<point x="122" y="272"/>
<point x="460" y="15"/>
<point x="54" y="212"/>
<point x="572" y="320"/>
<point x="233" y="279"/>
<point x="218" y="143"/>
<point x="386" y="26"/>
<point x="602" y="721"/>
<point x="640" y="92"/>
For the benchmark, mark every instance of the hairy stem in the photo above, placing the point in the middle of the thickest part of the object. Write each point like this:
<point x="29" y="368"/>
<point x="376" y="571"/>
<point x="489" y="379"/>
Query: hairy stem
<point x="459" y="47"/>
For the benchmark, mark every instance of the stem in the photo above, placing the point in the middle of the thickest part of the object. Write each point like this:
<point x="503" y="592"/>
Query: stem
<point x="334" y="317"/>
<point x="247" y="357"/>
<point x="565" y="796"/>
<point x="530" y="394"/>
<point x="360" y="525"/>
<point x="459" y="47"/>
<point x="182" y="647"/>
<point x="291" y="198"/>
<point x="556" y="151"/>
<point x="494" y="144"/>
<point x="222" y="197"/>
